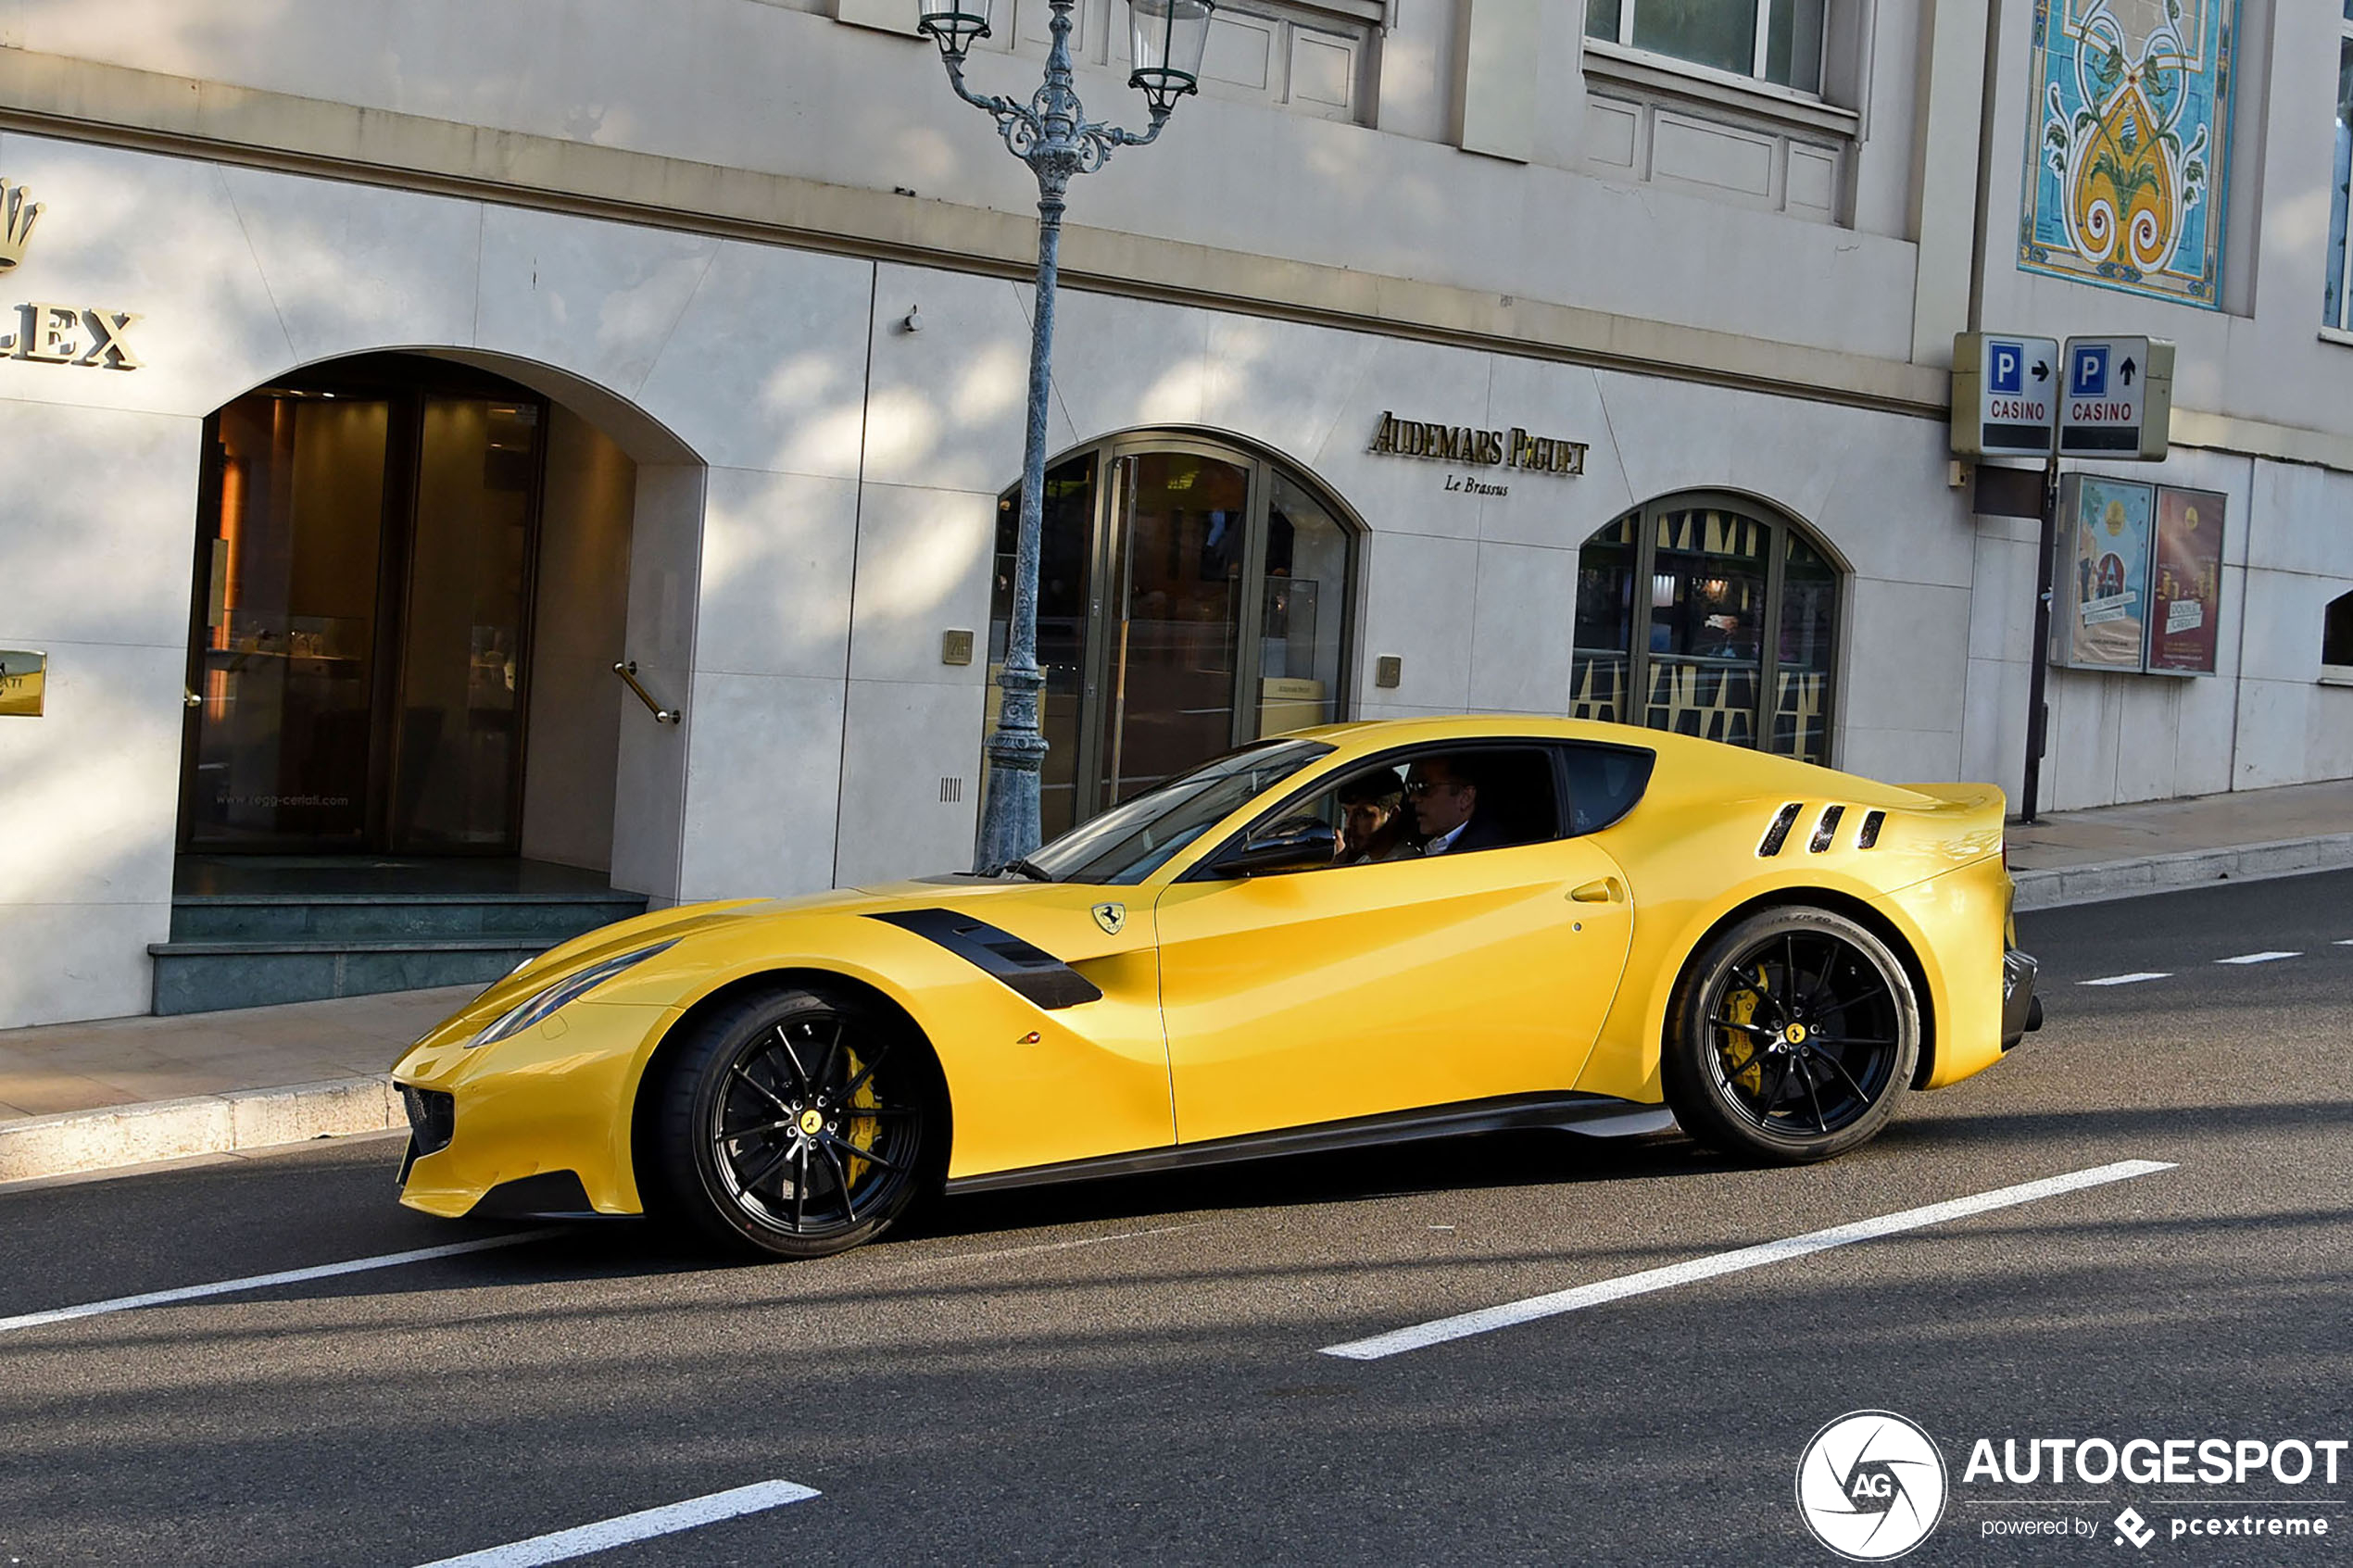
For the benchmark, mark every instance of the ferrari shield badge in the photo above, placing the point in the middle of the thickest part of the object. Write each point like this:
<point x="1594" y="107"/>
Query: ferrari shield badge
<point x="1111" y="917"/>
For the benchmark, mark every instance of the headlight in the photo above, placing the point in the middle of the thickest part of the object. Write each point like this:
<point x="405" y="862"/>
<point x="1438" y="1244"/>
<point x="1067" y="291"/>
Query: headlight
<point x="563" y="994"/>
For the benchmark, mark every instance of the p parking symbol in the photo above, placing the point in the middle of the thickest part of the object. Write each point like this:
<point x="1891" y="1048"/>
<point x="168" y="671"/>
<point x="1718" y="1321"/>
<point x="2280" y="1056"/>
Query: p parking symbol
<point x="2009" y="372"/>
<point x="2087" y="372"/>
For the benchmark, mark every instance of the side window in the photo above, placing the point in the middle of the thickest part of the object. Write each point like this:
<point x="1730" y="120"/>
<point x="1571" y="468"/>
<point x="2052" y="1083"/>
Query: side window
<point x="2336" y="627"/>
<point x="1451" y="800"/>
<point x="1488" y="798"/>
<point x="1603" y="784"/>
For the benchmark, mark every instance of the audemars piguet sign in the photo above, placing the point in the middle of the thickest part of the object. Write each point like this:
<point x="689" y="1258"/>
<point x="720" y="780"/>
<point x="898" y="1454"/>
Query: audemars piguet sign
<point x="1472" y="448"/>
<point x="47" y="331"/>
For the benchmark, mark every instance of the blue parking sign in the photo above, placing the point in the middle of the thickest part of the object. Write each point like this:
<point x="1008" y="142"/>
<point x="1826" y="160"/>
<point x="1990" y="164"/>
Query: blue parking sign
<point x="2007" y="368"/>
<point x="2087" y="371"/>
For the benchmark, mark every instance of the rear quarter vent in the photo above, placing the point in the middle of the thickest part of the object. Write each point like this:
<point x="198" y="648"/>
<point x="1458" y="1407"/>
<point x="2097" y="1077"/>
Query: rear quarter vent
<point x="1826" y="830"/>
<point x="1868" y="838"/>
<point x="1778" y="834"/>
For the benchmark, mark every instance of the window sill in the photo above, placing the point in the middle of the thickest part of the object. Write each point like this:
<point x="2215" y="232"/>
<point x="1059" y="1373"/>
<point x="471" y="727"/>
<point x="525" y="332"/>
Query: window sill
<point x="1661" y="74"/>
<point x="2336" y="674"/>
<point x="2333" y="335"/>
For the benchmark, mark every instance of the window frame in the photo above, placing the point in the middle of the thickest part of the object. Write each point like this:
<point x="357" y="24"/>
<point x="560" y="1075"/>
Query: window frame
<point x="1781" y="525"/>
<point x="1754" y="78"/>
<point x="2341" y="240"/>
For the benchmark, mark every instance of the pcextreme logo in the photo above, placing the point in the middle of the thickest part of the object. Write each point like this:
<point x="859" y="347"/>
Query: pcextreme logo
<point x="1870" y="1486"/>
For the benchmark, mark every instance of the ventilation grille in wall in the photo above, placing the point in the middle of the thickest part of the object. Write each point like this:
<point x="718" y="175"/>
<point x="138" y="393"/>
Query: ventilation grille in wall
<point x="951" y="791"/>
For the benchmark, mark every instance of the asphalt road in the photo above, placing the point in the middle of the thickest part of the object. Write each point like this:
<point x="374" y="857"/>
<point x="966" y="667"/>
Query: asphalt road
<point x="1131" y="1372"/>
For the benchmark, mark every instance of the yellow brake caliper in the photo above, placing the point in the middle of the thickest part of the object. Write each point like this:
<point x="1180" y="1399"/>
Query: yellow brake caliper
<point x="862" y="1130"/>
<point x="1746" y="1063"/>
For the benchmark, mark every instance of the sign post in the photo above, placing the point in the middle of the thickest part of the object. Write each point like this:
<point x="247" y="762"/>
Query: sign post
<point x="2020" y="397"/>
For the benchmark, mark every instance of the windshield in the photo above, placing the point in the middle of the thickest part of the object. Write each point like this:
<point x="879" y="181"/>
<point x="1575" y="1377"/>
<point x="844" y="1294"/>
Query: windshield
<point x="1134" y="838"/>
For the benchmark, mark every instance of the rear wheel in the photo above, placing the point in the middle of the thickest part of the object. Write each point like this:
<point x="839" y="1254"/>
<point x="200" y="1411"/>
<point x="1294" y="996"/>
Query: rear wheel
<point x="800" y="1123"/>
<point x="1794" y="1034"/>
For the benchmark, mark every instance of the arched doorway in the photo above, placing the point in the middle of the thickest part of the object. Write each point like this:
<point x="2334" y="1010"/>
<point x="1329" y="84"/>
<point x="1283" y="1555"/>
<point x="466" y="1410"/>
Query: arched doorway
<point x="1192" y="596"/>
<point x="369" y="620"/>
<point x="1710" y="615"/>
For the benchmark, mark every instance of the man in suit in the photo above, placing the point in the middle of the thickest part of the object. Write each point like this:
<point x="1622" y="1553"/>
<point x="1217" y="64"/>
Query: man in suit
<point x="1444" y="790"/>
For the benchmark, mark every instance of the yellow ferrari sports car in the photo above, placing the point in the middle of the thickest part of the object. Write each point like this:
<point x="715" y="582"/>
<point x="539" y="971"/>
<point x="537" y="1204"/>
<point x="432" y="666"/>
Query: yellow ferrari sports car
<point x="1351" y="935"/>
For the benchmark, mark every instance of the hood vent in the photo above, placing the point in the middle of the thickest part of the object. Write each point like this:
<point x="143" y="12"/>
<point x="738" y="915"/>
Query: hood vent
<point x="1776" y="835"/>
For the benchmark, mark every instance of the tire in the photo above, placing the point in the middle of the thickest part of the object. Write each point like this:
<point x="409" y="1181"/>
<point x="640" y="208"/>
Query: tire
<point x="1792" y="1035"/>
<point x="797" y="1123"/>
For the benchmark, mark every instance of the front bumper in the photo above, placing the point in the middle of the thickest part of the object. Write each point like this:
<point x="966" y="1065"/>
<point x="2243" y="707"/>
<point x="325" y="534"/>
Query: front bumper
<point x="555" y="1098"/>
<point x="2022" y="1008"/>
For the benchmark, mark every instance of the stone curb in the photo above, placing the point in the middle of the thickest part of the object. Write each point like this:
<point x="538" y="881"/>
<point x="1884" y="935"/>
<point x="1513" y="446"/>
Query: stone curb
<point x="173" y="1129"/>
<point x="2063" y="885"/>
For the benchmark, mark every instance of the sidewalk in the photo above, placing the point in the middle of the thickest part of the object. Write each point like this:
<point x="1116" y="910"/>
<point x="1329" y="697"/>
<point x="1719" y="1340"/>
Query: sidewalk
<point x="122" y="1092"/>
<point x="2121" y="851"/>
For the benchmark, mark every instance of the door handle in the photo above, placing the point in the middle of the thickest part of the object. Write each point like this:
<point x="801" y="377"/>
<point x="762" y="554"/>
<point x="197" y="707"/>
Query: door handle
<point x="1606" y="891"/>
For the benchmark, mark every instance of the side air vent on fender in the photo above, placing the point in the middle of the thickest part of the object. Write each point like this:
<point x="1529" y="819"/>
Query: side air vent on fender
<point x="1776" y="835"/>
<point x="1868" y="838"/>
<point x="1826" y="830"/>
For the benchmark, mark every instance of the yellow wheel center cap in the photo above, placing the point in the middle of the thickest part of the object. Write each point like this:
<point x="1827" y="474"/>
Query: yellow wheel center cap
<point x="1794" y="1034"/>
<point x="812" y="1120"/>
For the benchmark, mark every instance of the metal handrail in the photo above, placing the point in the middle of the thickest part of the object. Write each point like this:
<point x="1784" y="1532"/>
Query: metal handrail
<point x="627" y="671"/>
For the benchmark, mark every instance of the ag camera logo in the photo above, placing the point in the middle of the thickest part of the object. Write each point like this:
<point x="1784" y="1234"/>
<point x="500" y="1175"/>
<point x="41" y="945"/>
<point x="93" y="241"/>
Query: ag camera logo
<point x="1870" y="1486"/>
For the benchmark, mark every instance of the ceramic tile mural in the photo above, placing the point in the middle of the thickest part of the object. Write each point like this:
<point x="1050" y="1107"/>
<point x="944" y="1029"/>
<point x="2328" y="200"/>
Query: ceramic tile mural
<point x="2130" y="144"/>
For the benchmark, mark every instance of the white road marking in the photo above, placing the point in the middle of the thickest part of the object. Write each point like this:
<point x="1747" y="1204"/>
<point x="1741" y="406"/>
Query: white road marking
<point x="2259" y="957"/>
<point x="1512" y="1313"/>
<point x="668" y="1519"/>
<point x="2129" y="979"/>
<point x="2345" y="942"/>
<point x="264" y="1281"/>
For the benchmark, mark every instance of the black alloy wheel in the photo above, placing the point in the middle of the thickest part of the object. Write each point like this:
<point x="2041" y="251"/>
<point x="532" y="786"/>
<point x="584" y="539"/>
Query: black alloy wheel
<point x="798" y="1123"/>
<point x="1794" y="1036"/>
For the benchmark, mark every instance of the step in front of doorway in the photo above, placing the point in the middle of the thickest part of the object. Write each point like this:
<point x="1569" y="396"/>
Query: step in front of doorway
<point x="414" y="917"/>
<point x="209" y="976"/>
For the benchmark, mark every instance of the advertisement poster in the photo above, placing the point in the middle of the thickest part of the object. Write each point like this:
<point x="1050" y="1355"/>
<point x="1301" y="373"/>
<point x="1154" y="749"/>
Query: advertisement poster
<point x="2186" y="581"/>
<point x="2105" y="578"/>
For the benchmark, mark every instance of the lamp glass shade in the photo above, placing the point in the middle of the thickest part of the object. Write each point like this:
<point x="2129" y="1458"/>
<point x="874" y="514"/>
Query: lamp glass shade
<point x="954" y="25"/>
<point x="1168" y="37"/>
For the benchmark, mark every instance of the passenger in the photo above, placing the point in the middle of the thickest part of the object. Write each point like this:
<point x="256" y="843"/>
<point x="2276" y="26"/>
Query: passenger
<point x="1373" y="824"/>
<point x="1445" y="796"/>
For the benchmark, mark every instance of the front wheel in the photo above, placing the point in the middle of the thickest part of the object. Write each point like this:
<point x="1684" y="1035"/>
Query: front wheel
<point x="798" y="1123"/>
<point x="1793" y="1034"/>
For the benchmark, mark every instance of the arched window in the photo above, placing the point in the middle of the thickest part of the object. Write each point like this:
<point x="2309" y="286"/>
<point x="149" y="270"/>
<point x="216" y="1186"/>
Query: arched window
<point x="1708" y="616"/>
<point x="1192" y="597"/>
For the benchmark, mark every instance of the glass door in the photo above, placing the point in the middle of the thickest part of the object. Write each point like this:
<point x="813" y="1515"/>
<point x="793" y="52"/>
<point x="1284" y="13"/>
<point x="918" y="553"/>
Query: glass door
<point x="1190" y="597"/>
<point x="356" y="674"/>
<point x="288" y="563"/>
<point x="1171" y="632"/>
<point x="458" y="766"/>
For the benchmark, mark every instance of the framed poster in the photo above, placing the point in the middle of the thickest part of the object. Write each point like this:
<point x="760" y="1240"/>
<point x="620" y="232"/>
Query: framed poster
<point x="2186" y="583"/>
<point x="2101" y="578"/>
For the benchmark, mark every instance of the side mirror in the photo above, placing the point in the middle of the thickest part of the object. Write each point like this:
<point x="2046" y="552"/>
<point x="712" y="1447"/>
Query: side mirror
<point x="1283" y="846"/>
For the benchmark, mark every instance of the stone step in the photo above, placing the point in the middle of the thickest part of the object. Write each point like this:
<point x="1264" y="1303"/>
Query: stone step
<point x="521" y="917"/>
<point x="208" y="976"/>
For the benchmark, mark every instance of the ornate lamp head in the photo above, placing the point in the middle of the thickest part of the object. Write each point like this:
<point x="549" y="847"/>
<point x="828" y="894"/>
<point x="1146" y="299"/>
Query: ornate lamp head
<point x="953" y="26"/>
<point x="1168" y="37"/>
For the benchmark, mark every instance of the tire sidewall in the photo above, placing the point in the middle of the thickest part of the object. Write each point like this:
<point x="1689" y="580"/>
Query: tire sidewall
<point x="1688" y="1067"/>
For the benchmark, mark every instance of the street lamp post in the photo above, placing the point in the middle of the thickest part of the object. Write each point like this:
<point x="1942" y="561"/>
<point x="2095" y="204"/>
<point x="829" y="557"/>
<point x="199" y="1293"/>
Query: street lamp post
<point x="1050" y="133"/>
